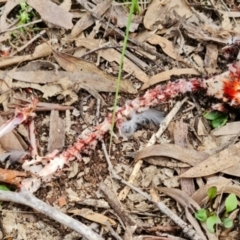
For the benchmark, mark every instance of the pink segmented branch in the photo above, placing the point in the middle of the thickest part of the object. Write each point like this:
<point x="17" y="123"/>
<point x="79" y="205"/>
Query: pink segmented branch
<point x="225" y="87"/>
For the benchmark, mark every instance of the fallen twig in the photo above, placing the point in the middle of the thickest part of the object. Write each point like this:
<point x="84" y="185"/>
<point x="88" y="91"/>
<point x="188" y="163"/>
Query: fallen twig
<point x="26" y="198"/>
<point x="28" y="43"/>
<point x="21" y="26"/>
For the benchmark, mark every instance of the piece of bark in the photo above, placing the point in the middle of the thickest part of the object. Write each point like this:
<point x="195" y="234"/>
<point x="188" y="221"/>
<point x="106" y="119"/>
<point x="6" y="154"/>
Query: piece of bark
<point x="56" y="132"/>
<point x="180" y="138"/>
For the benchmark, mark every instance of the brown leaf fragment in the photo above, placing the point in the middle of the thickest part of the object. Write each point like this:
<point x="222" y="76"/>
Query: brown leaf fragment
<point x="42" y="50"/>
<point x="180" y="134"/>
<point x="119" y="17"/>
<point x="82" y="79"/>
<point x="166" y="45"/>
<point x="231" y="128"/>
<point x="113" y="55"/>
<point x="216" y="163"/>
<point x="56" y="133"/>
<point x="7" y="9"/>
<point x="87" y="20"/>
<point x="52" y="13"/>
<point x="166" y="75"/>
<point x="211" y="56"/>
<point x="93" y="216"/>
<point x="91" y="73"/>
<point x="189" y="156"/>
<point x="33" y="76"/>
<point x="158" y="13"/>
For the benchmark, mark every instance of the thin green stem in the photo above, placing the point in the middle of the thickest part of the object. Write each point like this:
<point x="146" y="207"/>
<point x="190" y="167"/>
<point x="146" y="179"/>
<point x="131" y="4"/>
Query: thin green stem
<point x="134" y="2"/>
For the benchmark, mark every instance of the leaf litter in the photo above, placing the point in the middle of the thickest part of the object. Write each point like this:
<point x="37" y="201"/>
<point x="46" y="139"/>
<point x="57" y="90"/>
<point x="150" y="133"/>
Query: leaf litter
<point x="73" y="64"/>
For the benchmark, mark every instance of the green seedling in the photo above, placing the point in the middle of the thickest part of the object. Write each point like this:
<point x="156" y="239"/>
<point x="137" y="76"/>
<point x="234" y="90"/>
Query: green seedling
<point x="217" y="119"/>
<point x="25" y="13"/>
<point x="211" y="218"/>
<point x="4" y="188"/>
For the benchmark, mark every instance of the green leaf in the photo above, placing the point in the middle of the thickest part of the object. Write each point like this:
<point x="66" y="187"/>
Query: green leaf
<point x="220" y="121"/>
<point x="212" y="192"/>
<point x="24" y="17"/>
<point x="211" y="221"/>
<point x="227" y="222"/>
<point x="213" y="115"/>
<point x="23" y="5"/>
<point x="4" y="188"/>
<point x="201" y="215"/>
<point x="231" y="203"/>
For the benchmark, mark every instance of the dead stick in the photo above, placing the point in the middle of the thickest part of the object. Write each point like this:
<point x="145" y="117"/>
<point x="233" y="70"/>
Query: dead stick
<point x="26" y="198"/>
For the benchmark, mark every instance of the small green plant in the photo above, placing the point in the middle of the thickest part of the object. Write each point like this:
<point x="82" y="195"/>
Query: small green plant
<point x="4" y="188"/>
<point x="25" y="13"/>
<point x="211" y="218"/>
<point x="133" y="4"/>
<point x="217" y="119"/>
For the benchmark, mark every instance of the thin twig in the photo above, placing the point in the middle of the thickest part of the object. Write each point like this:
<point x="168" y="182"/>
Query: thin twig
<point x="114" y="234"/>
<point x="29" y="42"/>
<point x="21" y="26"/>
<point x="26" y="198"/>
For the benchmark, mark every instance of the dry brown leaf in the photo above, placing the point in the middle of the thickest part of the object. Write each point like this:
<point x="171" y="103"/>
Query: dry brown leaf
<point x="231" y="128"/>
<point x="158" y="11"/>
<point x="205" y="32"/>
<point x="40" y="77"/>
<point x="87" y="20"/>
<point x="52" y="13"/>
<point x="66" y="5"/>
<point x="166" y="75"/>
<point x="7" y="9"/>
<point x="93" y="75"/>
<point x="119" y="16"/>
<point x="180" y="136"/>
<point x="83" y="79"/>
<point x="113" y="55"/>
<point x="166" y="46"/>
<point x="216" y="163"/>
<point x="233" y="171"/>
<point x="42" y="50"/>
<point x="231" y="13"/>
<point x="56" y="132"/>
<point x="92" y="216"/>
<point x="211" y="56"/>
<point x="189" y="156"/>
